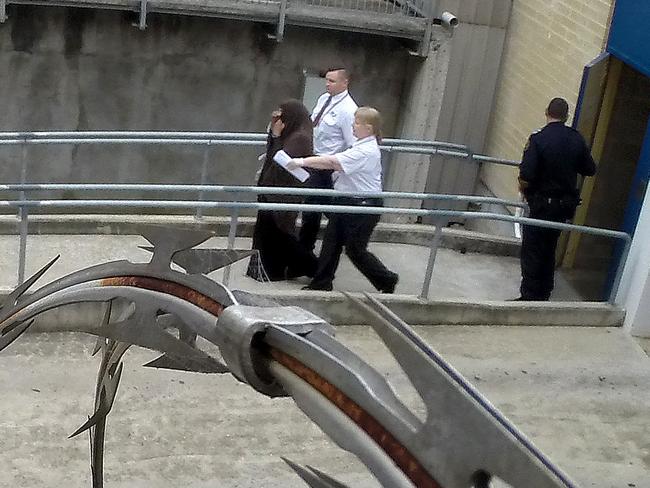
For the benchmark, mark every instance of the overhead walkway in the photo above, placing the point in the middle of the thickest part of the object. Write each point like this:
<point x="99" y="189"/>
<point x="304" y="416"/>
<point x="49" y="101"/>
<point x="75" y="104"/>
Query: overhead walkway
<point x="408" y="19"/>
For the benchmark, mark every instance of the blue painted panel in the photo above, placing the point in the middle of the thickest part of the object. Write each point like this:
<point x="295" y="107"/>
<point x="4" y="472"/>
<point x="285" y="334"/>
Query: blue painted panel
<point x="629" y="38"/>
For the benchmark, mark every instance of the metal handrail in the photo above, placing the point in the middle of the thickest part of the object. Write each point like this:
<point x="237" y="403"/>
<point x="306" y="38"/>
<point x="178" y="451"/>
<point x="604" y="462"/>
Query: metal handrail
<point x="208" y="139"/>
<point x="259" y="136"/>
<point x="429" y="148"/>
<point x="440" y="218"/>
<point x="256" y="190"/>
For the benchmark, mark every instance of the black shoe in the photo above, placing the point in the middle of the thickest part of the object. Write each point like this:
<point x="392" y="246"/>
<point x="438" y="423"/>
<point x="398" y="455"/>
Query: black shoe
<point x="318" y="287"/>
<point x="529" y="299"/>
<point x="390" y="287"/>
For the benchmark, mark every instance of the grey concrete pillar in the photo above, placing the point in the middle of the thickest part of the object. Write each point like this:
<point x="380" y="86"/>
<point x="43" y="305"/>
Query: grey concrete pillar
<point x="420" y="116"/>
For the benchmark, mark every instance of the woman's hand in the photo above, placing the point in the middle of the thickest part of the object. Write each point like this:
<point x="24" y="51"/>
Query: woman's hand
<point x="295" y="164"/>
<point x="277" y="126"/>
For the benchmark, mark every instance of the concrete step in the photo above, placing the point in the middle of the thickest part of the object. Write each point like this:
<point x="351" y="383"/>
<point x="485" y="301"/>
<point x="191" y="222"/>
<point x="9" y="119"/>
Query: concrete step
<point x="88" y="224"/>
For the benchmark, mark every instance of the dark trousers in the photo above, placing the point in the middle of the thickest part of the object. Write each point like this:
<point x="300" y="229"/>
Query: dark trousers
<point x="351" y="231"/>
<point x="320" y="178"/>
<point x="311" y="223"/>
<point x="538" y="246"/>
<point x="280" y="253"/>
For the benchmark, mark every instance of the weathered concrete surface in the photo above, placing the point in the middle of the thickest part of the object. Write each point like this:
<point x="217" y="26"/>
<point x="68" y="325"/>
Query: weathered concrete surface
<point x="456" y="275"/>
<point x="337" y="309"/>
<point x="87" y="69"/>
<point x="419" y="119"/>
<point x="467" y="288"/>
<point x="582" y="395"/>
<point x="416" y="234"/>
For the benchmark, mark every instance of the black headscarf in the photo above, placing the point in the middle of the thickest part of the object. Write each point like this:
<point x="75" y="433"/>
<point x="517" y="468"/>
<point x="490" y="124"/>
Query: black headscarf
<point x="295" y="117"/>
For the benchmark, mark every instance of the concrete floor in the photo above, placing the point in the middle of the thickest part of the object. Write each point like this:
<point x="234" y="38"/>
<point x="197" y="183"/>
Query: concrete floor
<point x="582" y="395"/>
<point x="456" y="275"/>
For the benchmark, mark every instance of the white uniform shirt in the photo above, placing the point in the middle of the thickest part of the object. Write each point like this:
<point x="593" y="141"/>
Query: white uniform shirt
<point x="361" y="167"/>
<point x="333" y="133"/>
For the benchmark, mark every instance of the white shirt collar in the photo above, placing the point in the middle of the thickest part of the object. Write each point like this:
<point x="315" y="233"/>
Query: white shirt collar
<point x="364" y="140"/>
<point x="339" y="96"/>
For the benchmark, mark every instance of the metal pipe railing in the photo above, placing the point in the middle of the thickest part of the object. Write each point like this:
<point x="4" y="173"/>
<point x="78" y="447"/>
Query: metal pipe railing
<point x="167" y="135"/>
<point x="208" y="139"/>
<point x="439" y="216"/>
<point x="225" y="138"/>
<point x="256" y="190"/>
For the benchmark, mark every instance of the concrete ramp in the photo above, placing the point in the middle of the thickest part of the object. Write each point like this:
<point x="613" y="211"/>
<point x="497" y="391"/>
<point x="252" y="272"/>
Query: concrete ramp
<point x="468" y="288"/>
<point x="581" y="394"/>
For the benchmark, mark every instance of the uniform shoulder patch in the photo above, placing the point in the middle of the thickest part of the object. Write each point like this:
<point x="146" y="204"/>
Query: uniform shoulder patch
<point x="530" y="138"/>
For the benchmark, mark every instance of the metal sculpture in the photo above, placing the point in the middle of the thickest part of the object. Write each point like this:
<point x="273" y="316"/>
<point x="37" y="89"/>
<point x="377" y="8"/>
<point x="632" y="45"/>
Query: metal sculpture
<point x="279" y="350"/>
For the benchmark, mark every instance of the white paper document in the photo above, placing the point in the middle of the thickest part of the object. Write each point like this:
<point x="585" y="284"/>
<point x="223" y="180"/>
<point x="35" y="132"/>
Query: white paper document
<point x="282" y="158"/>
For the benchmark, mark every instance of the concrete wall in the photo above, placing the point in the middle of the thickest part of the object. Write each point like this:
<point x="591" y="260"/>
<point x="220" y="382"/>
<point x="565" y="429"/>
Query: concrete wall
<point x="452" y="96"/>
<point x="547" y="46"/>
<point x="80" y="69"/>
<point x="476" y="55"/>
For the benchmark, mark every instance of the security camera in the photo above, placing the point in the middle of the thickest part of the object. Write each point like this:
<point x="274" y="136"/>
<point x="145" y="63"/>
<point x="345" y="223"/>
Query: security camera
<point x="449" y="20"/>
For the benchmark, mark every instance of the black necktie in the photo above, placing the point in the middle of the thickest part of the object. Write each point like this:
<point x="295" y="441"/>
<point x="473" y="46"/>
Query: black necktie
<point x="322" y="111"/>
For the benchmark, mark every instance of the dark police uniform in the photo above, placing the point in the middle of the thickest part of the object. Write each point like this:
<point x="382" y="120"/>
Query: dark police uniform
<point x="552" y="160"/>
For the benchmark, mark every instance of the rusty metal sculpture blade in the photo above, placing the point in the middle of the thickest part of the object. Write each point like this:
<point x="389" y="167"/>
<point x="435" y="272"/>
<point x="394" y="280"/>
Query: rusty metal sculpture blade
<point x="313" y="477"/>
<point x="205" y="261"/>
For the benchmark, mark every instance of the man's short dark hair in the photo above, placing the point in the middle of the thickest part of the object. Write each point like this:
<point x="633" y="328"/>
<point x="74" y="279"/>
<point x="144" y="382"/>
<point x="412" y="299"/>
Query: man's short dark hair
<point x="558" y="108"/>
<point x="346" y="73"/>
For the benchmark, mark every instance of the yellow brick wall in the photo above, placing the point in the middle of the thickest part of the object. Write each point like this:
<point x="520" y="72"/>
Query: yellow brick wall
<point x="548" y="43"/>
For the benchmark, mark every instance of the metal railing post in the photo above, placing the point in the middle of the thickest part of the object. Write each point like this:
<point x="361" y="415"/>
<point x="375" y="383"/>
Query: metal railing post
<point x="23" y="215"/>
<point x="426" y="38"/>
<point x="279" y="35"/>
<point x="232" y="233"/>
<point x="142" y="24"/>
<point x="204" y="177"/>
<point x="619" y="271"/>
<point x="23" y="171"/>
<point x="22" y="253"/>
<point x="435" y="244"/>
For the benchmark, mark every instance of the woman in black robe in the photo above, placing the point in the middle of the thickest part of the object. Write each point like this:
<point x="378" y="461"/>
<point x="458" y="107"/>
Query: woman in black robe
<point x="280" y="254"/>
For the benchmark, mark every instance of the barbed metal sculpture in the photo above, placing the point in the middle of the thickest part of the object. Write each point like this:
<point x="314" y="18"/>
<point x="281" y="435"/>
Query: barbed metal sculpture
<point x="287" y="351"/>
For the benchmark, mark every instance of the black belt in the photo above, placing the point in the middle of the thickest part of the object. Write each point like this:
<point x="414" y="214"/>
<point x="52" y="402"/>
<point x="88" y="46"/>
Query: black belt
<point x="360" y="202"/>
<point x="555" y="198"/>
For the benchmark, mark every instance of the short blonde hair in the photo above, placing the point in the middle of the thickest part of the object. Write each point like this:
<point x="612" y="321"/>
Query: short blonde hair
<point x="372" y="117"/>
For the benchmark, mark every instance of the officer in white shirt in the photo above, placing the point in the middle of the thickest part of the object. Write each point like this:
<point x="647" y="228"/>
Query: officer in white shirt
<point x="332" y="118"/>
<point x="358" y="169"/>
